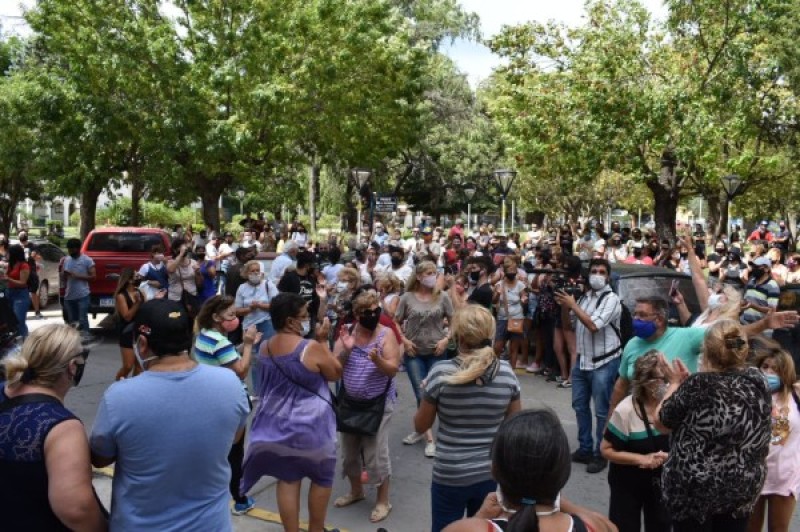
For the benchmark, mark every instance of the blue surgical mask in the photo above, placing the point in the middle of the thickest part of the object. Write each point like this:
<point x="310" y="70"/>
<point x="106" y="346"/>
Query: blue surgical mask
<point x="773" y="382"/>
<point x="644" y="329"/>
<point x="306" y="324"/>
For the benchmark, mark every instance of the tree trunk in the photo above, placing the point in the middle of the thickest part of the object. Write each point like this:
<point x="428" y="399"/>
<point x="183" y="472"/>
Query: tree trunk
<point x="8" y="208"/>
<point x="351" y="211"/>
<point x="136" y="197"/>
<point x="718" y="214"/>
<point x="666" y="207"/>
<point x="88" y="209"/>
<point x="210" y="201"/>
<point x="313" y="194"/>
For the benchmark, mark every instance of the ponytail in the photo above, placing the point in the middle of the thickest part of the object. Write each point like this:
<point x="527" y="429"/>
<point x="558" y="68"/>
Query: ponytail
<point x="473" y="365"/>
<point x="524" y="520"/>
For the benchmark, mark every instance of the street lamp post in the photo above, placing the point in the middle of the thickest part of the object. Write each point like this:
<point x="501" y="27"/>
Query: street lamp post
<point x="469" y="192"/>
<point x="731" y="184"/>
<point x="504" y="179"/>
<point x="360" y="176"/>
<point x="240" y="192"/>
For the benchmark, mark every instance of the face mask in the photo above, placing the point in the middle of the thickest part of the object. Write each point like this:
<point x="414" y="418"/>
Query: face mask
<point x="773" y="382"/>
<point x="397" y="262"/>
<point x="597" y="282"/>
<point x="342" y="287"/>
<point x="370" y="319"/>
<point x="137" y="282"/>
<point x="137" y="353"/>
<point x="254" y="278"/>
<point x="306" y="327"/>
<point x="714" y="301"/>
<point x="676" y="256"/>
<point x="684" y="255"/>
<point x="474" y="277"/>
<point x="511" y="276"/>
<point x="429" y="281"/>
<point x="720" y="250"/>
<point x="230" y="325"/>
<point x="76" y="379"/>
<point x="644" y="329"/>
<point x="660" y="391"/>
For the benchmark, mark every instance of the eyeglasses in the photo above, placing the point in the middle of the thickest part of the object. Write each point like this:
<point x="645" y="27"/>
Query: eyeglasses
<point x="645" y="317"/>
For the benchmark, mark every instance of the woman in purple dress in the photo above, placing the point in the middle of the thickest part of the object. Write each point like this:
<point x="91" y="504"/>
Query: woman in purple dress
<point x="293" y="435"/>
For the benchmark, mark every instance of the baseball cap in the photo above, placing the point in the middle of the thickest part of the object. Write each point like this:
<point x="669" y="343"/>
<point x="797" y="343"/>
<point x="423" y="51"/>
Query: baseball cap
<point x="764" y="222"/>
<point x="166" y="325"/>
<point x="763" y="261"/>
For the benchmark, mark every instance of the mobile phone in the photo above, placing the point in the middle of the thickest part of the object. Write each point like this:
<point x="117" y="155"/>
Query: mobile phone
<point x="673" y="289"/>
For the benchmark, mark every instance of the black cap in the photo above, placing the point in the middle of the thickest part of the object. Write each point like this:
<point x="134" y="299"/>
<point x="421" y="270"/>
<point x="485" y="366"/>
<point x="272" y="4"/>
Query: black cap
<point x="166" y="325"/>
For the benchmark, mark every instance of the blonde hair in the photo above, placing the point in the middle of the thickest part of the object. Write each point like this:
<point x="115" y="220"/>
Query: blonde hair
<point x="423" y="267"/>
<point x="392" y="283"/>
<point x="46" y="353"/>
<point x="350" y="276"/>
<point x="473" y="328"/>
<point x="725" y="345"/>
<point x="646" y="373"/>
<point x="365" y="300"/>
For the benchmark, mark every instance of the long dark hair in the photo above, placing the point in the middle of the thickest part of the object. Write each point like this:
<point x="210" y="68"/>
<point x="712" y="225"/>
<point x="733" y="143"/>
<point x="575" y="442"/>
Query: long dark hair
<point x="125" y="277"/>
<point x="16" y="254"/>
<point x="531" y="464"/>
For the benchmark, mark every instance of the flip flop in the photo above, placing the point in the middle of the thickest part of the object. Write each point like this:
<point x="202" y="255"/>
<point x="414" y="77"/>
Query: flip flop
<point x="380" y="512"/>
<point x="347" y="500"/>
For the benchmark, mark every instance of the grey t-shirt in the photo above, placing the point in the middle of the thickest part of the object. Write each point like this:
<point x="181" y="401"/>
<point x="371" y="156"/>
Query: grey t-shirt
<point x="424" y="320"/>
<point x="469" y="416"/>
<point x="514" y="301"/>
<point x="77" y="288"/>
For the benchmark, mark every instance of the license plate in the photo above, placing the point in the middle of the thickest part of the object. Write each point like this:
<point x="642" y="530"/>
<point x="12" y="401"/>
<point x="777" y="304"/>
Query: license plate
<point x="106" y="302"/>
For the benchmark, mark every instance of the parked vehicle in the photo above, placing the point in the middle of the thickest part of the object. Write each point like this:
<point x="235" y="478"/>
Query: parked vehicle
<point x="790" y="338"/>
<point x="113" y="249"/>
<point x="48" y="276"/>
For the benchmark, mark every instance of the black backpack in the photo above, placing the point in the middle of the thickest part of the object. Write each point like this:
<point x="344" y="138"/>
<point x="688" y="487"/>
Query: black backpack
<point x="625" y="331"/>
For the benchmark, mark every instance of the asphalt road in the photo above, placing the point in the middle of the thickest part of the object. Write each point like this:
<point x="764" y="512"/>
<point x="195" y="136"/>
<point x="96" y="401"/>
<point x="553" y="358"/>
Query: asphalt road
<point x="411" y="471"/>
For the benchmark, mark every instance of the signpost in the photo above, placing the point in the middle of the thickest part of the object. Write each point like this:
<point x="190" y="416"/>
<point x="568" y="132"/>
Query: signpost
<point x="385" y="203"/>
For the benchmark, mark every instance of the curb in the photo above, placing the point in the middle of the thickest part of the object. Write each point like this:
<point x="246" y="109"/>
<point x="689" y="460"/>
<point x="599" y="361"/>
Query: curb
<point x="256" y="513"/>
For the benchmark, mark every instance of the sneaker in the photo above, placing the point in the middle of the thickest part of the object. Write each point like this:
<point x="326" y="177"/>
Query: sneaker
<point x="597" y="464"/>
<point x="565" y="384"/>
<point x="414" y="437"/>
<point x="241" y="508"/>
<point x="581" y="457"/>
<point x="430" y="449"/>
<point x="533" y="368"/>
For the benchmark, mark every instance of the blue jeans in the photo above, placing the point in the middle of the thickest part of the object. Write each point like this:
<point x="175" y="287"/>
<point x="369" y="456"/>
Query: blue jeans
<point x="594" y="385"/>
<point x="78" y="312"/>
<point x="20" y="299"/>
<point x="417" y="368"/>
<point x="448" y="503"/>
<point x="267" y="331"/>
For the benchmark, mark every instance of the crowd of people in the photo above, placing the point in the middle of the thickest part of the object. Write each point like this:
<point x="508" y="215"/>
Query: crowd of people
<point x="696" y="418"/>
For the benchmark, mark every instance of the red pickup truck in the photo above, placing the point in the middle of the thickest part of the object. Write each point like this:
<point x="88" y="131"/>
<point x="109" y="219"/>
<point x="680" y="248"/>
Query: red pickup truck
<point x="113" y="249"/>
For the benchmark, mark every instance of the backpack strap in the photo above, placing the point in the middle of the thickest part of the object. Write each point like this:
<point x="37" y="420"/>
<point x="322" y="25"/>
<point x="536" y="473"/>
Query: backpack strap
<point x="613" y="327"/>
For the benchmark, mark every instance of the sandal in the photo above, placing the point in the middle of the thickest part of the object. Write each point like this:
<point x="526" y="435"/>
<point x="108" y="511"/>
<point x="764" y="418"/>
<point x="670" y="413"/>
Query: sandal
<point x="380" y="512"/>
<point x="347" y="500"/>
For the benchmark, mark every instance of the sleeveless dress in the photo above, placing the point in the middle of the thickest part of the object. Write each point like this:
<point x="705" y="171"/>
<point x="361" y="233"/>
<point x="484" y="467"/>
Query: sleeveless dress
<point x="24" y="501"/>
<point x="293" y="434"/>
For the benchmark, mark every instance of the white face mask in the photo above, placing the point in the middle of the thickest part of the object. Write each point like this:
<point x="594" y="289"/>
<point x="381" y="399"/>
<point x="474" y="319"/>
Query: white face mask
<point x="342" y="287"/>
<point x="597" y="282"/>
<point x="715" y="301"/>
<point x="254" y="278"/>
<point x="428" y="281"/>
<point x="137" y="353"/>
<point x="306" y="325"/>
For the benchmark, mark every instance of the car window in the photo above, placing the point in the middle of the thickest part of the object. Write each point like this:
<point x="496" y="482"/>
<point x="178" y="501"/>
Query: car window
<point x="124" y="242"/>
<point x="49" y="252"/>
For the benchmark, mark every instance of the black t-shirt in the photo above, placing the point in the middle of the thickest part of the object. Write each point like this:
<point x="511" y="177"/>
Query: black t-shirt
<point x="482" y="295"/>
<point x="305" y="285"/>
<point x="234" y="279"/>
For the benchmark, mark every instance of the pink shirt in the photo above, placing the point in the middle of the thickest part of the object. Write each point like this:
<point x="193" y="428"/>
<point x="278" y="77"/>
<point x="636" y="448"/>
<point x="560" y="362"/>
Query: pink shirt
<point x="783" y="461"/>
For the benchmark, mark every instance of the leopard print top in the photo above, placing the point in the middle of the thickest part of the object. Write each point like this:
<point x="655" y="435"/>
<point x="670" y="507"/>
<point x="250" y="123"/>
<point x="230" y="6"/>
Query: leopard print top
<point x="721" y="431"/>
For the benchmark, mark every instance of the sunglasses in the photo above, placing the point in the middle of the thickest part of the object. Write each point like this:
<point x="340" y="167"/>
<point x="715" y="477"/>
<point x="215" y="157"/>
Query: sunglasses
<point x="84" y="354"/>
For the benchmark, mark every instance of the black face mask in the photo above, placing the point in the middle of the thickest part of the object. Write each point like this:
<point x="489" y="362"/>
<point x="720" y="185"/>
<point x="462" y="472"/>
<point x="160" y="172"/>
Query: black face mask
<point x="74" y="254"/>
<point x="684" y="255"/>
<point x="511" y="276"/>
<point x="370" y="319"/>
<point x="720" y="250"/>
<point x="76" y="379"/>
<point x="137" y="282"/>
<point x="474" y="276"/>
<point x="397" y="262"/>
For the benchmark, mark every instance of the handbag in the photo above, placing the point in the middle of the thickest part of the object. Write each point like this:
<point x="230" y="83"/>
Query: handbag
<point x="360" y="416"/>
<point x="514" y="325"/>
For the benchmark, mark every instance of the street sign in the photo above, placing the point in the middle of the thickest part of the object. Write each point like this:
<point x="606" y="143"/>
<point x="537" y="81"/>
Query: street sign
<point x="385" y="203"/>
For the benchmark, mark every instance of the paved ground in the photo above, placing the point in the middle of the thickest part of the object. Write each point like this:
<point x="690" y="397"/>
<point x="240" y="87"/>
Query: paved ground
<point x="411" y="470"/>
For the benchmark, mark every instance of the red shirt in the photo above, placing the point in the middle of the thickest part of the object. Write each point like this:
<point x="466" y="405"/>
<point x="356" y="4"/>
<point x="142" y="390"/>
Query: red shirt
<point x="16" y="272"/>
<point x="756" y="235"/>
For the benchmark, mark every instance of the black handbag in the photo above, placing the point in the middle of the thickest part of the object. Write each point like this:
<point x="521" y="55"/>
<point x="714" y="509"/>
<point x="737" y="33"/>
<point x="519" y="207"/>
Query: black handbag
<point x="360" y="416"/>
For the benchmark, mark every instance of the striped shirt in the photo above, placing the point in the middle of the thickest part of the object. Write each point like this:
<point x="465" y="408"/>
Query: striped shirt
<point x="214" y="349"/>
<point x="469" y="416"/>
<point x="605" y="340"/>
<point x="764" y="295"/>
<point x="361" y="377"/>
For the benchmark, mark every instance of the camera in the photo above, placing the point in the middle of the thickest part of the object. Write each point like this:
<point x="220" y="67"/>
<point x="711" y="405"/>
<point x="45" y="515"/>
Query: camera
<point x="562" y="283"/>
